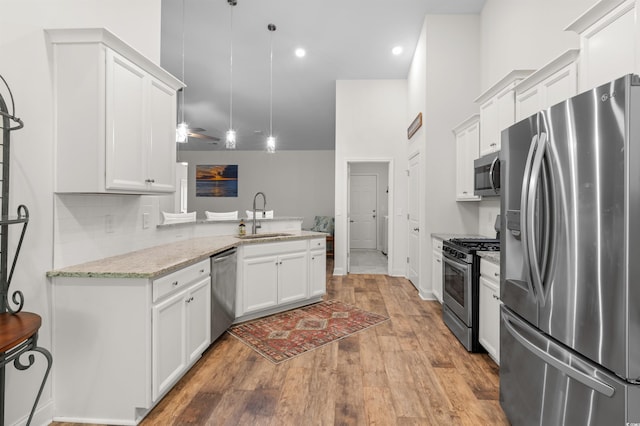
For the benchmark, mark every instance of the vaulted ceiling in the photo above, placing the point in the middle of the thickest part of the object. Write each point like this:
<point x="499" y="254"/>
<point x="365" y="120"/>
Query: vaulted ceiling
<point x="343" y="39"/>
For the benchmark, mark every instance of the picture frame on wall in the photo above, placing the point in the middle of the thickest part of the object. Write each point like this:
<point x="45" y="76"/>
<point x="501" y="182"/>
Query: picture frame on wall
<point x="415" y="125"/>
<point x="214" y="180"/>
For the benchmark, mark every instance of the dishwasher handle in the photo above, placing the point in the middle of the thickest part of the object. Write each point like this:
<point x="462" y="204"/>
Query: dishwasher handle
<point x="222" y="256"/>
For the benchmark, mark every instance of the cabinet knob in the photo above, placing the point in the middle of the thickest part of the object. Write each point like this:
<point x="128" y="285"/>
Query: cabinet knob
<point x="175" y="283"/>
<point x="438" y="260"/>
<point x="496" y="274"/>
<point x="202" y="271"/>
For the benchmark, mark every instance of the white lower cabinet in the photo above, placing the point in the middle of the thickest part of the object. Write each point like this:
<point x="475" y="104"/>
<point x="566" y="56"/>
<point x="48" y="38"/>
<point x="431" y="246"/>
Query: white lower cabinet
<point x="489" y="331"/>
<point x="280" y="274"/>
<point x="181" y="332"/>
<point x="436" y="269"/>
<point x="121" y="343"/>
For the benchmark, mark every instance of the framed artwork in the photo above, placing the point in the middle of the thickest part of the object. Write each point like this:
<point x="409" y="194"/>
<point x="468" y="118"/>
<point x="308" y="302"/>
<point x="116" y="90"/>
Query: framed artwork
<point x="415" y="125"/>
<point x="217" y="180"/>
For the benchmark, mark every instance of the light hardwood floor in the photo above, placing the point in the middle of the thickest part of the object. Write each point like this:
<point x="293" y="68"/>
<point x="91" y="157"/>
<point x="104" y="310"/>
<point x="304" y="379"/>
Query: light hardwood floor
<point x="407" y="371"/>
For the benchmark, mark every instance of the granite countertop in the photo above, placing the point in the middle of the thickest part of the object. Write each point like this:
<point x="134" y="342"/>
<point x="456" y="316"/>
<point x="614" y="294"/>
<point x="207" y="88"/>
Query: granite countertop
<point x="491" y="256"/>
<point x="214" y="221"/>
<point x="444" y="236"/>
<point x="159" y="260"/>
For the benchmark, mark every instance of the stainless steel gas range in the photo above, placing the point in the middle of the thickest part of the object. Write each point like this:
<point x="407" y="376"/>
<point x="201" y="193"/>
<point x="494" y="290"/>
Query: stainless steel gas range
<point x="461" y="291"/>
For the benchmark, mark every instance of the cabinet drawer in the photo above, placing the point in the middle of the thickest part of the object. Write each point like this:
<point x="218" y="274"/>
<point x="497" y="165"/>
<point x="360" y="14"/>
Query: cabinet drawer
<point x="490" y="270"/>
<point x="436" y="244"/>
<point x="251" y="250"/>
<point x="318" y="244"/>
<point x="176" y="280"/>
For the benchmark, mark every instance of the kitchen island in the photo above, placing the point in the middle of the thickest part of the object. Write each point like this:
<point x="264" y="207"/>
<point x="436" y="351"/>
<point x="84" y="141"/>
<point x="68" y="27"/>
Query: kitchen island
<point x="126" y="328"/>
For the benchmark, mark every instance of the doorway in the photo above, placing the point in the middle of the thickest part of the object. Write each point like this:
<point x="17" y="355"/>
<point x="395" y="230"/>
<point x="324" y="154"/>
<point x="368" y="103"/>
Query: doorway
<point x="368" y="210"/>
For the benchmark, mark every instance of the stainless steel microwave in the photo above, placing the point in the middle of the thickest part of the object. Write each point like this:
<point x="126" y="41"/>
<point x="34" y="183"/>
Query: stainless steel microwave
<point x="486" y="181"/>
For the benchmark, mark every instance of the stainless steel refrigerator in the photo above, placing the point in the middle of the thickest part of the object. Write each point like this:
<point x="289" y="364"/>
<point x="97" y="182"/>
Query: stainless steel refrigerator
<point x="570" y="266"/>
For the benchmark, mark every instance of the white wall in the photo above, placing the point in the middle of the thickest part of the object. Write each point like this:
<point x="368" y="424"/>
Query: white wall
<point x="296" y="183"/>
<point x="381" y="171"/>
<point x="371" y="126"/>
<point x="24" y="64"/>
<point x="522" y="35"/>
<point x="443" y="82"/>
<point x="525" y="34"/>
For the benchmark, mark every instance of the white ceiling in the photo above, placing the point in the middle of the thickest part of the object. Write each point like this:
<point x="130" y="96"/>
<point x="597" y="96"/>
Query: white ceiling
<point x="344" y="39"/>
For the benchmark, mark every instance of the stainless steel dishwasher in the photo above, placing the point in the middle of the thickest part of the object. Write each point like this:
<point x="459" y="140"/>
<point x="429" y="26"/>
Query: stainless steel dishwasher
<point x="223" y="292"/>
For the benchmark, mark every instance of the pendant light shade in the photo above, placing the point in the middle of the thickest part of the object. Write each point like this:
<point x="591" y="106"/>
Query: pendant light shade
<point x="230" y="140"/>
<point x="182" y="132"/>
<point x="271" y="140"/>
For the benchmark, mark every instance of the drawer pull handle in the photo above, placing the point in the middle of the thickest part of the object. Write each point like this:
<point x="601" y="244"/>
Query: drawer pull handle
<point x="189" y="300"/>
<point x="175" y="283"/>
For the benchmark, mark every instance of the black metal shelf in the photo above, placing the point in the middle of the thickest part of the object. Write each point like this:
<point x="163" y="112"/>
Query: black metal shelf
<point x="19" y="335"/>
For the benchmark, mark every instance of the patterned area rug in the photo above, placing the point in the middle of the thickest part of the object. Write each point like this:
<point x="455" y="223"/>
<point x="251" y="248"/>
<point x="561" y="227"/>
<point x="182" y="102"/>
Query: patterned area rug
<point x="288" y="334"/>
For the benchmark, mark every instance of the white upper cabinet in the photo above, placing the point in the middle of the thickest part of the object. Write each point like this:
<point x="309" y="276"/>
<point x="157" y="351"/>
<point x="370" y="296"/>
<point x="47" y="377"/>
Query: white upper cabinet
<point x="608" y="42"/>
<point x="467" y="136"/>
<point x="497" y="110"/>
<point x="551" y="84"/>
<point x="115" y="116"/>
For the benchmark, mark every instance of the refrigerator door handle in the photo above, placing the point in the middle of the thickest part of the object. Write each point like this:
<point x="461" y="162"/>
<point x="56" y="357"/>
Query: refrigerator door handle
<point x="530" y="241"/>
<point x="523" y="211"/>
<point x="543" y="354"/>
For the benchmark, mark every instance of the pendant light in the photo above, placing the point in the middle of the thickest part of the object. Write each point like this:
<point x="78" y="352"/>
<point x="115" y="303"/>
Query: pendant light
<point x="230" y="141"/>
<point x="182" y="131"/>
<point x="271" y="140"/>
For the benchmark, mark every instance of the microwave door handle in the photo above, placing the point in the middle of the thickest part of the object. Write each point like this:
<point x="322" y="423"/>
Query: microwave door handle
<point x="491" y="176"/>
<point x="534" y="180"/>
<point x="523" y="209"/>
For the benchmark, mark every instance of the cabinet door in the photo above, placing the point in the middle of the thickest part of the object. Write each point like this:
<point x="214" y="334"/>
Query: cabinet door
<point x="169" y="357"/>
<point x="489" y="330"/>
<point x="198" y="319"/>
<point x="292" y="277"/>
<point x="126" y="124"/>
<point x="436" y="274"/>
<point x="560" y="86"/>
<point x="528" y="103"/>
<point x="489" y="132"/>
<point x="259" y="283"/>
<point x="467" y="150"/>
<point x="506" y="114"/>
<point x="162" y="142"/>
<point x="317" y="273"/>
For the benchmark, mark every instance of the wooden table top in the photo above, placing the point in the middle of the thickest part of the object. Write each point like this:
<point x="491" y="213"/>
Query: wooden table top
<point x="16" y="328"/>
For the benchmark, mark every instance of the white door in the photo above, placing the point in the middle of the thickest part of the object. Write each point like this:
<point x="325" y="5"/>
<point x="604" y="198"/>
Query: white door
<point x="413" y="215"/>
<point x="364" y="202"/>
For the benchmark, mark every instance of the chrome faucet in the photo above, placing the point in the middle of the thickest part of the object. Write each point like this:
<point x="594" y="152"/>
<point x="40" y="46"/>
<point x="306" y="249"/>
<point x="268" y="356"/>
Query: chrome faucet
<point x="264" y="207"/>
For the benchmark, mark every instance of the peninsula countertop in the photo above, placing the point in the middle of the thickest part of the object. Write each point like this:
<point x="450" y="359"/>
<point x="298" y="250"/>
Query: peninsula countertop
<point x="160" y="260"/>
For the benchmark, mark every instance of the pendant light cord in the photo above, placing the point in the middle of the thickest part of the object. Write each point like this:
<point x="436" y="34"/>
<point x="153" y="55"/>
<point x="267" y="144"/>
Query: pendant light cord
<point x="271" y="85"/>
<point x="183" y="89"/>
<point x="231" y="69"/>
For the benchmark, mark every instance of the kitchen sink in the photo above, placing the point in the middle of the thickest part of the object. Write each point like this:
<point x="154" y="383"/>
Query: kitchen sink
<point x="267" y="235"/>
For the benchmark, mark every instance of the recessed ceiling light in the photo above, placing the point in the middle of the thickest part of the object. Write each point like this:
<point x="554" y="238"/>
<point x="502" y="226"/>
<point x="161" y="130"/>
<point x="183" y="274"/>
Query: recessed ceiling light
<point x="396" y="50"/>
<point x="300" y="52"/>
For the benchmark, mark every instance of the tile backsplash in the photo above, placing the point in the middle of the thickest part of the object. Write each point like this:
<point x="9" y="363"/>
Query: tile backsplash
<point x="92" y="226"/>
<point x="487" y="212"/>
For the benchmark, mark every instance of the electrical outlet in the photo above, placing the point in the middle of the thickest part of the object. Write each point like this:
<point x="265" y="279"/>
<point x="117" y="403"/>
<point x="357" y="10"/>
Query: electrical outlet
<point x="146" y="217"/>
<point x="108" y="224"/>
